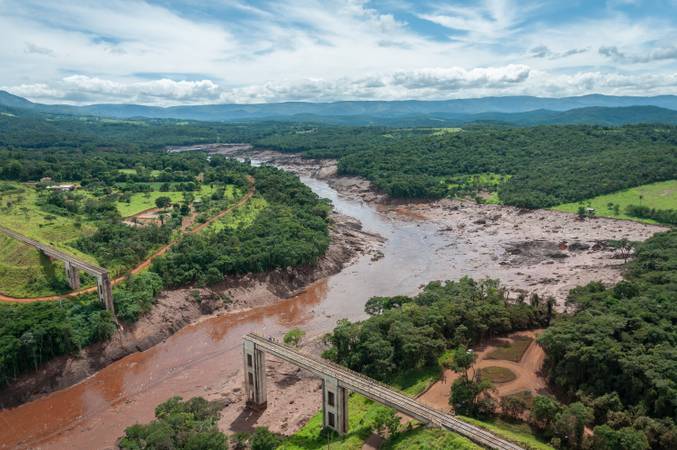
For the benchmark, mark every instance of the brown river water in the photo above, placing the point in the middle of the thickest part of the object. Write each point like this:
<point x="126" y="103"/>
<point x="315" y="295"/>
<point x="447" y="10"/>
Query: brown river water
<point x="202" y="358"/>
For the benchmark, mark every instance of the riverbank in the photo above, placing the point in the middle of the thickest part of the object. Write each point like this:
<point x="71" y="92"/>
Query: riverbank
<point x="531" y="251"/>
<point x="174" y="309"/>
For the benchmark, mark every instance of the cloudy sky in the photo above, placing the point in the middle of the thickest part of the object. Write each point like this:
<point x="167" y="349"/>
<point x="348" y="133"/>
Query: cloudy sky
<point x="168" y="52"/>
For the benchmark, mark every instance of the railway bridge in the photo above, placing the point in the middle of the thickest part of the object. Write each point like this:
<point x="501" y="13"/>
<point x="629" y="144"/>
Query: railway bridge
<point x="73" y="266"/>
<point x="338" y="382"/>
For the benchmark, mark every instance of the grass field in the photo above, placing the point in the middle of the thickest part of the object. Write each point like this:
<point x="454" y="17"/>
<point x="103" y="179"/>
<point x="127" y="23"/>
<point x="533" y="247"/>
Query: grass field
<point x="25" y="273"/>
<point x="513" y="351"/>
<point x="153" y="173"/>
<point x="520" y="433"/>
<point x="19" y="211"/>
<point x="428" y="439"/>
<point x="142" y="201"/>
<point x="662" y="195"/>
<point x="497" y="374"/>
<point x="241" y="217"/>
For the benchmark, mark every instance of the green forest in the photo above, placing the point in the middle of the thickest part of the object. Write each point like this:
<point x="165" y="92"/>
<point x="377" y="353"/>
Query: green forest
<point x="548" y="165"/>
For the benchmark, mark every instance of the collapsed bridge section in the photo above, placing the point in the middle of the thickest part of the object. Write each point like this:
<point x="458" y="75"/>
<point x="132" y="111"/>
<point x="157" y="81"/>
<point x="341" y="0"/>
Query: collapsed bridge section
<point x="338" y="382"/>
<point x="73" y="266"/>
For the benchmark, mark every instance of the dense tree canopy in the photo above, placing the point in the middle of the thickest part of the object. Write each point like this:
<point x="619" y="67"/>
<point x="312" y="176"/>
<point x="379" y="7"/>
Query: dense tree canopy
<point x="619" y="349"/>
<point x="549" y="164"/>
<point x="409" y="332"/>
<point x="179" y="425"/>
<point x="290" y="231"/>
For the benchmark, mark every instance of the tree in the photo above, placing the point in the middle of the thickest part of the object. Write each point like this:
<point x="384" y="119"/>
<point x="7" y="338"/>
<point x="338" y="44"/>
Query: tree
<point x="544" y="411"/>
<point x="163" y="202"/>
<point x="513" y="406"/>
<point x="471" y="397"/>
<point x="263" y="439"/>
<point x="581" y="212"/>
<point x="181" y="425"/>
<point x="293" y="337"/>
<point x="386" y="420"/>
<point x="463" y="360"/>
<point x="570" y="423"/>
<point x="601" y="406"/>
<point x="606" y="438"/>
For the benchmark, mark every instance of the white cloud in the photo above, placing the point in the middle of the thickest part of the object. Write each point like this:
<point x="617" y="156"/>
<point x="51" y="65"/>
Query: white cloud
<point x="317" y="50"/>
<point x="543" y="51"/>
<point x="658" y="54"/>
<point x="33" y="48"/>
<point x="424" y="84"/>
<point x="454" y="78"/>
<point x="163" y="89"/>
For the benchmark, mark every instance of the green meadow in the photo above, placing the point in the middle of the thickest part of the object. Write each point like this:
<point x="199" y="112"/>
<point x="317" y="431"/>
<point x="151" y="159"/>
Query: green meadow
<point x="661" y="195"/>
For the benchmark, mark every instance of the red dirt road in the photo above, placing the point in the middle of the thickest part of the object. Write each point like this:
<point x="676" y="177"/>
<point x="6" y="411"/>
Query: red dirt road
<point x="145" y="263"/>
<point x="527" y="371"/>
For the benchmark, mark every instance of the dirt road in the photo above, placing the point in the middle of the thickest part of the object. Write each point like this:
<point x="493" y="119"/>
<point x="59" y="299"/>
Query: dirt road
<point x="527" y="371"/>
<point x="185" y="229"/>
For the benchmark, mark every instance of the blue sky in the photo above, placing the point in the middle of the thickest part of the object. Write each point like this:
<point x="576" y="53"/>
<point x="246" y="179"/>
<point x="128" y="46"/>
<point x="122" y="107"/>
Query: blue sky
<point x="169" y="52"/>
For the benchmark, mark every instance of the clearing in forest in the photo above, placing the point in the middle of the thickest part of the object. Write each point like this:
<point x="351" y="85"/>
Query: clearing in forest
<point x="661" y="195"/>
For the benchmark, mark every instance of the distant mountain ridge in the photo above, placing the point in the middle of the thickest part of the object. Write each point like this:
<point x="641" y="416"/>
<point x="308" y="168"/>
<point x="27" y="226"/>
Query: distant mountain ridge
<point x="517" y="110"/>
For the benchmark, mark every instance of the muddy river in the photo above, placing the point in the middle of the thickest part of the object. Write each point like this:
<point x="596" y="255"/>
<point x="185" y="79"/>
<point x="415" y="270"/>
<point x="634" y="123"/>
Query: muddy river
<point x="204" y="358"/>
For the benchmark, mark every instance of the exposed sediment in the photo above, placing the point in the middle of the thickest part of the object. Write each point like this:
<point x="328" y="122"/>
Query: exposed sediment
<point x="542" y="251"/>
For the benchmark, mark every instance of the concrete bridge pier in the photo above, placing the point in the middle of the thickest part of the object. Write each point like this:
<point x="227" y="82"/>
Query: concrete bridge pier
<point x="72" y="275"/>
<point x="334" y="405"/>
<point x="255" y="376"/>
<point x="105" y="291"/>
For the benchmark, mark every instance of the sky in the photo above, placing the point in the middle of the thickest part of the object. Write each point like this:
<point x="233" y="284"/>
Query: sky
<point x="170" y="52"/>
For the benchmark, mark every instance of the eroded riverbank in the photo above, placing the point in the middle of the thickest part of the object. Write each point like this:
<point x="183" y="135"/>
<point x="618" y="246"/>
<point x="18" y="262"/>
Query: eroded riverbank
<point x="424" y="242"/>
<point x="177" y="308"/>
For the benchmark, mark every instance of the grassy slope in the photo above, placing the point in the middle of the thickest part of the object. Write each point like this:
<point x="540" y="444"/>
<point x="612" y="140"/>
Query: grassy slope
<point x="28" y="219"/>
<point x="24" y="274"/>
<point x="518" y="433"/>
<point x="241" y="217"/>
<point x="662" y="195"/>
<point x="362" y="412"/>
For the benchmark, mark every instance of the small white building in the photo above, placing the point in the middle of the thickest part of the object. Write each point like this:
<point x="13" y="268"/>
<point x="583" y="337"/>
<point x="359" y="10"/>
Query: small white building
<point x="63" y="187"/>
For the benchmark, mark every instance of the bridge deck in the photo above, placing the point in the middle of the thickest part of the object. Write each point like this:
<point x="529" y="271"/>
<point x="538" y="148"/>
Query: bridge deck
<point x="54" y="253"/>
<point x="381" y="393"/>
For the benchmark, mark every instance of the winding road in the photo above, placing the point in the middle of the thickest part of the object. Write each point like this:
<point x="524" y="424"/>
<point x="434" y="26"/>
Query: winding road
<point x="146" y="262"/>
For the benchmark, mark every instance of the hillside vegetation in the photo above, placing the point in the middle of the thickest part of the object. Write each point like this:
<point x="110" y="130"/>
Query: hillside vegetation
<point x="549" y="165"/>
<point x="119" y="167"/>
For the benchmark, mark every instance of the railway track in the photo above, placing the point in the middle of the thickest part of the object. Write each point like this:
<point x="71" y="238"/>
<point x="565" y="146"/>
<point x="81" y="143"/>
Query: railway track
<point x="381" y="393"/>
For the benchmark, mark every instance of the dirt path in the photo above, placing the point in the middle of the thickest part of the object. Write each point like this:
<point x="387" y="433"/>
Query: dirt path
<point x="527" y="371"/>
<point x="185" y="229"/>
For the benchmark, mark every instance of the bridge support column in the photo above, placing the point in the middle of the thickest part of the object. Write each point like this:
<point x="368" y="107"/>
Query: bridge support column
<point x="72" y="275"/>
<point x="254" y="376"/>
<point x="334" y="405"/>
<point x="105" y="291"/>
